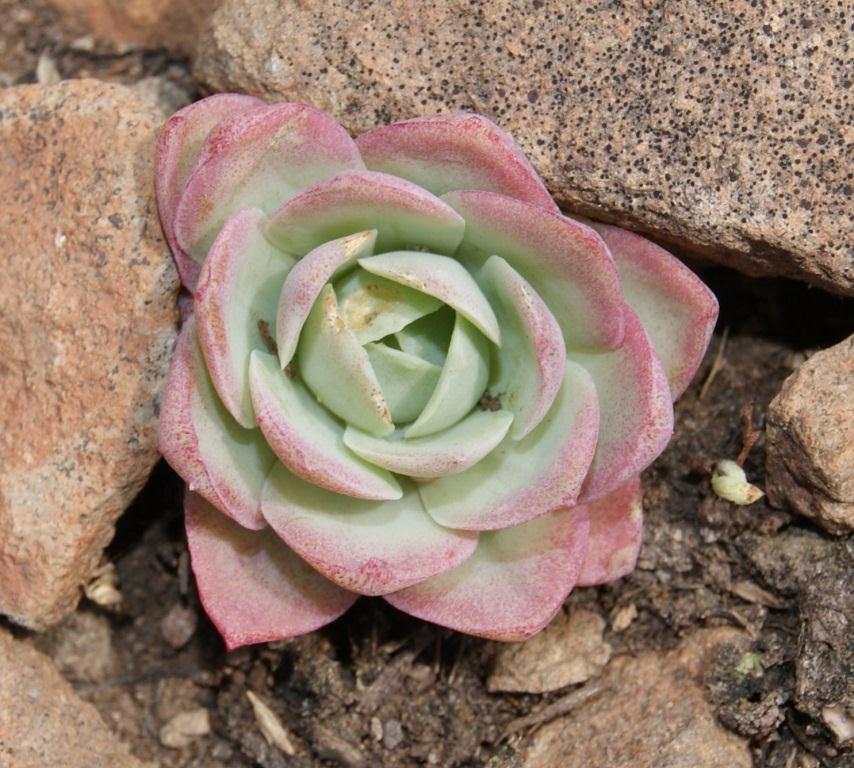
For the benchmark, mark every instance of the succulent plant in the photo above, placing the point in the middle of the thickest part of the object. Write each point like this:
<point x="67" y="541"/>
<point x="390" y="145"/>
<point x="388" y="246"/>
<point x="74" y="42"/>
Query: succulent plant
<point x="405" y="373"/>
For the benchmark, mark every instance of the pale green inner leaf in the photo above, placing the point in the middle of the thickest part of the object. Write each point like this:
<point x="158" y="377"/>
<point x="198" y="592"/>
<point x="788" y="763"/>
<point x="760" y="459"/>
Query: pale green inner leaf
<point x="337" y="369"/>
<point x="429" y="337"/>
<point x="517" y="368"/>
<point x="442" y="453"/>
<point x="312" y="422"/>
<point x="251" y="313"/>
<point x="374" y="307"/>
<point x="461" y="383"/>
<point x="304" y="282"/>
<point x="456" y="500"/>
<point x="407" y="381"/>
<point x="442" y="277"/>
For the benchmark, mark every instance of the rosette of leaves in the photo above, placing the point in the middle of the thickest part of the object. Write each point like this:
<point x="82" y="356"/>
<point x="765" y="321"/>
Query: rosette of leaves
<point x="405" y="373"/>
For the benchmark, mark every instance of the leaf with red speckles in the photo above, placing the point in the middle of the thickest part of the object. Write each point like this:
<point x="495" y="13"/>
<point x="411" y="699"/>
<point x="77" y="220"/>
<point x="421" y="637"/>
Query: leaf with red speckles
<point x="513" y="584"/>
<point x="365" y="546"/>
<point x="220" y="460"/>
<point x="636" y="413"/>
<point x="252" y="586"/>
<point x="677" y="310"/>
<point x="616" y="525"/>
<point x="178" y="146"/>
<point x="566" y="263"/>
<point x="258" y="159"/>
<point x="461" y="150"/>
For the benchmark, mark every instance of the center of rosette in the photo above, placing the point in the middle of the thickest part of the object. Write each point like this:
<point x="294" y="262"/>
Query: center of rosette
<point x="386" y="357"/>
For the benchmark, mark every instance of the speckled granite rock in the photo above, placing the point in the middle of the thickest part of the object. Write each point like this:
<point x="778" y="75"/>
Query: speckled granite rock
<point x="723" y="126"/>
<point x="43" y="724"/>
<point x="810" y="455"/>
<point x="87" y="324"/>
<point x="652" y="713"/>
<point x="139" y="23"/>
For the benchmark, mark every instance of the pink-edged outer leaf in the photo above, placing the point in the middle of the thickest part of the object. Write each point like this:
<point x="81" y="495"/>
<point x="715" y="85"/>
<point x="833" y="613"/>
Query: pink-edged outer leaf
<point x="523" y="479"/>
<point x="530" y="365"/>
<point x="566" y="262"/>
<point x="178" y="145"/>
<point x="258" y="159"/>
<point x="678" y="311"/>
<point x="368" y="547"/>
<point x="404" y="215"/>
<point x="237" y="294"/>
<point x="616" y="527"/>
<point x="304" y="282"/>
<point x="215" y="456"/>
<point x="461" y="150"/>
<point x="513" y="584"/>
<point x="252" y="586"/>
<point x="635" y="408"/>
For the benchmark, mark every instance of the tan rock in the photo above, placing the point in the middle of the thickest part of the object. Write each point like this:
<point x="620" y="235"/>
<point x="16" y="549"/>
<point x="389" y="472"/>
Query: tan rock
<point x="139" y="23"/>
<point x="724" y="127"/>
<point x="568" y="651"/>
<point x="87" y="324"/>
<point x="652" y="713"/>
<point x="43" y="722"/>
<point x="810" y="454"/>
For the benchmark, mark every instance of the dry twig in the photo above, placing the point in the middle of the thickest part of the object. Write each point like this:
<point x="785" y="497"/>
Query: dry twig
<point x="270" y="725"/>
<point x="749" y="435"/>
<point x="717" y="364"/>
<point x="562" y="706"/>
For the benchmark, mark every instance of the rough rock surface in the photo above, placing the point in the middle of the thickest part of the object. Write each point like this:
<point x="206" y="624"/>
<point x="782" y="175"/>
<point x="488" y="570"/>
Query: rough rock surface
<point x="87" y="324"/>
<point x="43" y="723"/>
<point x="824" y="670"/>
<point x="132" y="23"/>
<point x="721" y="126"/>
<point x="652" y="713"/>
<point x="568" y="651"/>
<point x="810" y="464"/>
<point x="819" y="573"/>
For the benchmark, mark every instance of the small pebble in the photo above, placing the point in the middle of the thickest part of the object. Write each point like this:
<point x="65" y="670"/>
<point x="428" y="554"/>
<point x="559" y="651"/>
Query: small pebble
<point x="46" y="71"/>
<point x="179" y="625"/>
<point x="184" y="728"/>
<point x="376" y="729"/>
<point x="623" y="617"/>
<point x="392" y="734"/>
